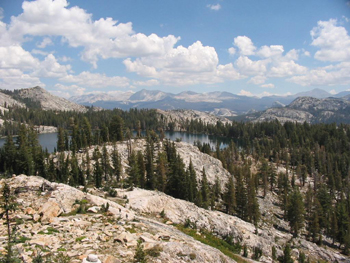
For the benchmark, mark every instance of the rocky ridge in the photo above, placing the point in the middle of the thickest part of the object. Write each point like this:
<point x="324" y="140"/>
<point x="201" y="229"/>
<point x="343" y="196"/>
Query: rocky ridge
<point x="48" y="224"/>
<point x="179" y="117"/>
<point x="307" y="109"/>
<point x="49" y="101"/>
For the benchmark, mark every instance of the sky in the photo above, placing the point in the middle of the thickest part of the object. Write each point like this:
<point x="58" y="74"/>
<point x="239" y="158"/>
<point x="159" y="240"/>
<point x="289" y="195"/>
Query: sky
<point x="245" y="47"/>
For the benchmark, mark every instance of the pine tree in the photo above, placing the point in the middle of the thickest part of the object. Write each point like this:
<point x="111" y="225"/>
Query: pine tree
<point x="116" y="162"/>
<point x="141" y="170"/>
<point x="105" y="162"/>
<point x="286" y="258"/>
<point x="8" y="204"/>
<point x="10" y="154"/>
<point x="193" y="182"/>
<point x="133" y="170"/>
<point x="295" y="212"/>
<point x="161" y="172"/>
<point x="229" y="196"/>
<point x="61" y="140"/>
<point x="241" y="194"/>
<point x="116" y="128"/>
<point x="205" y="190"/>
<point x="151" y="182"/>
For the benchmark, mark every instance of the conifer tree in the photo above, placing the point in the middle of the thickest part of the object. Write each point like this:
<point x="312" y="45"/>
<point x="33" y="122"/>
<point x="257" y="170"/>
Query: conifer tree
<point x="141" y="170"/>
<point x="229" y="196"/>
<point x="133" y="170"/>
<point x="161" y="171"/>
<point x="296" y="212"/>
<point x="105" y="162"/>
<point x="116" y="162"/>
<point x="193" y="182"/>
<point x="151" y="182"/>
<point x="8" y="204"/>
<point x="241" y="194"/>
<point x="205" y="190"/>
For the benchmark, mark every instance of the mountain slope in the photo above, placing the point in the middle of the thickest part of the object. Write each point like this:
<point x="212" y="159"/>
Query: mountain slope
<point x="47" y="101"/>
<point x="307" y="109"/>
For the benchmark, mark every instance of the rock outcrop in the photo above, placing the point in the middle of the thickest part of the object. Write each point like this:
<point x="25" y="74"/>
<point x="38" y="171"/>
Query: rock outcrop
<point x="48" y="101"/>
<point x="112" y="236"/>
<point x="180" y="117"/>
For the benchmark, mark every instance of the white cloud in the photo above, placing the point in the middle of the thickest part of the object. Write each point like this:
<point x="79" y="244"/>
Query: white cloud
<point x="325" y="76"/>
<point x="50" y="68"/>
<point x="96" y="80"/>
<point x="46" y="42"/>
<point x="184" y="66"/>
<point x="103" y="38"/>
<point x="333" y="41"/>
<point x="247" y="66"/>
<point x="245" y="93"/>
<point x="232" y="51"/>
<point x="68" y="91"/>
<point x="65" y="59"/>
<point x="257" y="80"/>
<point x="286" y="68"/>
<point x="11" y="79"/>
<point x="39" y="52"/>
<point x="270" y="86"/>
<point x="148" y="83"/>
<point x="270" y="51"/>
<point x="216" y="7"/>
<point x="307" y="53"/>
<point x="17" y="57"/>
<point x="245" y="45"/>
<point x="333" y="92"/>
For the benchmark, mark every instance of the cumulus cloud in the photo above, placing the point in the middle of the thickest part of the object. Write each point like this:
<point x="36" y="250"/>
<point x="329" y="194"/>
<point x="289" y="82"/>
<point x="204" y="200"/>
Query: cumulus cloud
<point x="249" y="67"/>
<point x="184" y="66"/>
<point x="232" y="51"/>
<point x="68" y="91"/>
<point x="103" y="38"/>
<point x="332" y="40"/>
<point x="148" y="83"/>
<point x="325" y="76"/>
<point x="11" y="79"/>
<point x="96" y="80"/>
<point x="216" y="7"/>
<point x="50" y="68"/>
<point x="245" y="45"/>
<point x="16" y="57"/>
<point x="245" y="93"/>
<point x="46" y="42"/>
<point x="270" y="51"/>
<point x="257" y="80"/>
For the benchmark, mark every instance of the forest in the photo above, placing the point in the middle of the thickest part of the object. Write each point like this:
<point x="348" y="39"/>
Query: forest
<point x="313" y="192"/>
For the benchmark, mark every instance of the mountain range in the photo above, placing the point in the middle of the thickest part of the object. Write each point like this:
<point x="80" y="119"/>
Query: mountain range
<point x="214" y="102"/>
<point x="314" y="106"/>
<point x="306" y="109"/>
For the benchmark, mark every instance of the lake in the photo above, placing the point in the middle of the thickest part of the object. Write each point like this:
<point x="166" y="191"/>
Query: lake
<point x="49" y="140"/>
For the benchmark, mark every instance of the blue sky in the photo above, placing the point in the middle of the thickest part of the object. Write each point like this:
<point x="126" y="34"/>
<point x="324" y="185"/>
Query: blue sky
<point x="244" y="47"/>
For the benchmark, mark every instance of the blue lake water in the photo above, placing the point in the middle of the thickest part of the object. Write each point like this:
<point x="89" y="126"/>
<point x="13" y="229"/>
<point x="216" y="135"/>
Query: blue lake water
<point x="49" y="140"/>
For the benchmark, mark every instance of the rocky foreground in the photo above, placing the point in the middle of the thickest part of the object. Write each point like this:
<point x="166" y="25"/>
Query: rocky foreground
<point x="49" y="222"/>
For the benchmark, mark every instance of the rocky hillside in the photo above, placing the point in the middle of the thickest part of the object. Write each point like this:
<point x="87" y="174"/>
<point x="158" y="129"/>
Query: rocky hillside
<point x="307" y="109"/>
<point x="48" y="101"/>
<point x="55" y="219"/>
<point x="179" y="117"/>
